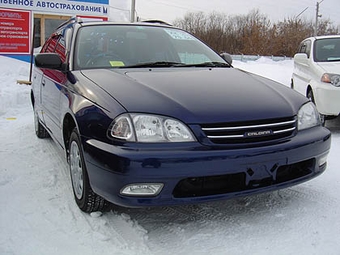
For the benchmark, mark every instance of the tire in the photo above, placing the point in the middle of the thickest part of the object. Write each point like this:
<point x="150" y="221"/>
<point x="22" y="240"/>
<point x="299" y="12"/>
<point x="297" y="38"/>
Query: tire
<point x="40" y="131"/>
<point x="86" y="199"/>
<point x="310" y="96"/>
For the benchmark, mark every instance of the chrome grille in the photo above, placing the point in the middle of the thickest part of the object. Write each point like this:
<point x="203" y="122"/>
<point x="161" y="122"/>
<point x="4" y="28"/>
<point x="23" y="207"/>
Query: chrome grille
<point x="250" y="131"/>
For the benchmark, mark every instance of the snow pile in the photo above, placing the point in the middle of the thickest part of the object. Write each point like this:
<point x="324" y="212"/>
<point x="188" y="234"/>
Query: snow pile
<point x="38" y="214"/>
<point x="279" y="71"/>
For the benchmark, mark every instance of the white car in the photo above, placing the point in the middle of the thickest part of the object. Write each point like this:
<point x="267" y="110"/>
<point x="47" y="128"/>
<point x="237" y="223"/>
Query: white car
<point x="317" y="73"/>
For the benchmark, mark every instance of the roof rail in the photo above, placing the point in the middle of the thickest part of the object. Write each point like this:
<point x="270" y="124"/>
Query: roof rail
<point x="70" y="21"/>
<point x="156" y="21"/>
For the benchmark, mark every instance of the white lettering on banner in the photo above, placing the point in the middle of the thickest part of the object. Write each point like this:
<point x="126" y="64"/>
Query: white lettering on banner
<point x="74" y="7"/>
<point x="58" y="6"/>
<point x="8" y="15"/>
<point x="18" y="2"/>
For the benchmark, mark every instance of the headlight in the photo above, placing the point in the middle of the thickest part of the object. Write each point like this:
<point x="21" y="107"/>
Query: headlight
<point x="149" y="129"/>
<point x="308" y="116"/>
<point x="331" y="78"/>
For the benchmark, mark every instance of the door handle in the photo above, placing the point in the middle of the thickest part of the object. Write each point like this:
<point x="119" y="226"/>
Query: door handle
<point x="43" y="82"/>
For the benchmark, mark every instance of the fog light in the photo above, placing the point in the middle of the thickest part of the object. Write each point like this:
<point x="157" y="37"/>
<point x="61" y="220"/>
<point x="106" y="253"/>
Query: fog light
<point x="142" y="189"/>
<point x="322" y="160"/>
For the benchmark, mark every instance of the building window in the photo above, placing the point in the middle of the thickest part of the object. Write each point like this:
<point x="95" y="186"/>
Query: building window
<point x="44" y="25"/>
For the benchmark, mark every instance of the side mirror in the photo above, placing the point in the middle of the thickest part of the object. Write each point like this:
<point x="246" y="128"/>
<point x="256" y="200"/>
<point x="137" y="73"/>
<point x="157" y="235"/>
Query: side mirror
<point x="301" y="58"/>
<point x="227" y="57"/>
<point x="49" y="61"/>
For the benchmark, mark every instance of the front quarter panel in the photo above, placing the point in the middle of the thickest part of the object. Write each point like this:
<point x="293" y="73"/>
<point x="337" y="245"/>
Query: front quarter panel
<point x="301" y="74"/>
<point x="92" y="108"/>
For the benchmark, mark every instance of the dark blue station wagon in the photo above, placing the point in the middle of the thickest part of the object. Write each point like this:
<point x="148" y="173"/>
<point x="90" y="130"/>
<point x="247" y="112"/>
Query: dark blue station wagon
<point x="148" y="114"/>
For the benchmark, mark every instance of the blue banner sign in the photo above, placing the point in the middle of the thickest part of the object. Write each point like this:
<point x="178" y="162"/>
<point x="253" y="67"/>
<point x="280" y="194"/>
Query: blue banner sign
<point x="86" y="7"/>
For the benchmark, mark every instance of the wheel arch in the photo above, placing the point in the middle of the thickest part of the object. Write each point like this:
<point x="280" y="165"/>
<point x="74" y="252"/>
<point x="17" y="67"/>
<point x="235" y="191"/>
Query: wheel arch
<point x="69" y="124"/>
<point x="292" y="83"/>
<point x="309" y="88"/>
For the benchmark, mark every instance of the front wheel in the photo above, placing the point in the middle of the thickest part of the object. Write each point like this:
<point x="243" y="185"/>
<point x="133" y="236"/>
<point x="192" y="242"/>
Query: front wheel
<point x="86" y="199"/>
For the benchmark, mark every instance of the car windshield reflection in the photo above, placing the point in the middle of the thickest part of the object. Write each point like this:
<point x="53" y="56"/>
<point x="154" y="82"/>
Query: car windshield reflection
<point x="107" y="46"/>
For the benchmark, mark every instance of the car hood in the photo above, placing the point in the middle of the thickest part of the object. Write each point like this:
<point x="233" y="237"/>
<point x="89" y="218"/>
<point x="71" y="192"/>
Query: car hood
<point x="198" y="95"/>
<point x="330" y="67"/>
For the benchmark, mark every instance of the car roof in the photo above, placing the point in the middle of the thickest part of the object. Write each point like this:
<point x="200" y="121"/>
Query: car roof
<point x="90" y="23"/>
<point x="327" y="36"/>
<point x="78" y="20"/>
<point x="314" y="38"/>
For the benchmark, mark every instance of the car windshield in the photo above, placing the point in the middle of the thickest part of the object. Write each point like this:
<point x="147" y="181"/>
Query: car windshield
<point x="132" y="46"/>
<point x="327" y="50"/>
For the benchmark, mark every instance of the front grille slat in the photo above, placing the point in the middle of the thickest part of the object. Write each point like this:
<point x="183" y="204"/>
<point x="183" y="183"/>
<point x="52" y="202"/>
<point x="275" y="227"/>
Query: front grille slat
<point x="284" y="130"/>
<point x="224" y="136"/>
<point x="250" y="132"/>
<point x="248" y="127"/>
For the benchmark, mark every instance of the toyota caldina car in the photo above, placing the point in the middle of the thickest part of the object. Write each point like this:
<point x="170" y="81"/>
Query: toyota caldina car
<point x="147" y="115"/>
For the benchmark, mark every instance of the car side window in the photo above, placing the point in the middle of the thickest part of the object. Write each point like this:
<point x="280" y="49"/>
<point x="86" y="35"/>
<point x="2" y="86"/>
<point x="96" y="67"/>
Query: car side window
<point x="305" y="47"/>
<point x="308" y="47"/>
<point x="50" y="45"/>
<point x="56" y="44"/>
<point x="60" y="48"/>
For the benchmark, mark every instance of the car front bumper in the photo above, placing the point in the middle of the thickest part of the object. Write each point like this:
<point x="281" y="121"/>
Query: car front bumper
<point x="193" y="173"/>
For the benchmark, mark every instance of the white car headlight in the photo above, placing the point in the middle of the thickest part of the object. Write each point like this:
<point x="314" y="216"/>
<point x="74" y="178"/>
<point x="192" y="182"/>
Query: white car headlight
<point x="308" y="116"/>
<point x="149" y="129"/>
<point x="331" y="78"/>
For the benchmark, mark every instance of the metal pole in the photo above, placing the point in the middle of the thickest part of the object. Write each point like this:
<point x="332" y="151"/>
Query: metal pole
<point x="316" y="19"/>
<point x="317" y="16"/>
<point x="133" y="10"/>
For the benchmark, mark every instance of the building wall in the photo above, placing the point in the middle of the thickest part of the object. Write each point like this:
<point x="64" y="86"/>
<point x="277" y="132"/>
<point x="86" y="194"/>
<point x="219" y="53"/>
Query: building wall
<point x="44" y="17"/>
<point x="64" y="7"/>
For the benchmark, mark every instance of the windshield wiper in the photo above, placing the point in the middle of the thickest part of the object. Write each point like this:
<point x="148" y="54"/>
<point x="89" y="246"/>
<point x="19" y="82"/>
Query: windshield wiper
<point x="178" y="64"/>
<point x="156" y="64"/>
<point x="209" y="64"/>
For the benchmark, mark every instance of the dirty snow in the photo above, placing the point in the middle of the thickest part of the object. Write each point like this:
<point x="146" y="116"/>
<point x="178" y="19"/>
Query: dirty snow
<point x="39" y="216"/>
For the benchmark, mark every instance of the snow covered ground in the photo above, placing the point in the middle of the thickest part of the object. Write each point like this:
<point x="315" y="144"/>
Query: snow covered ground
<point x="39" y="216"/>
